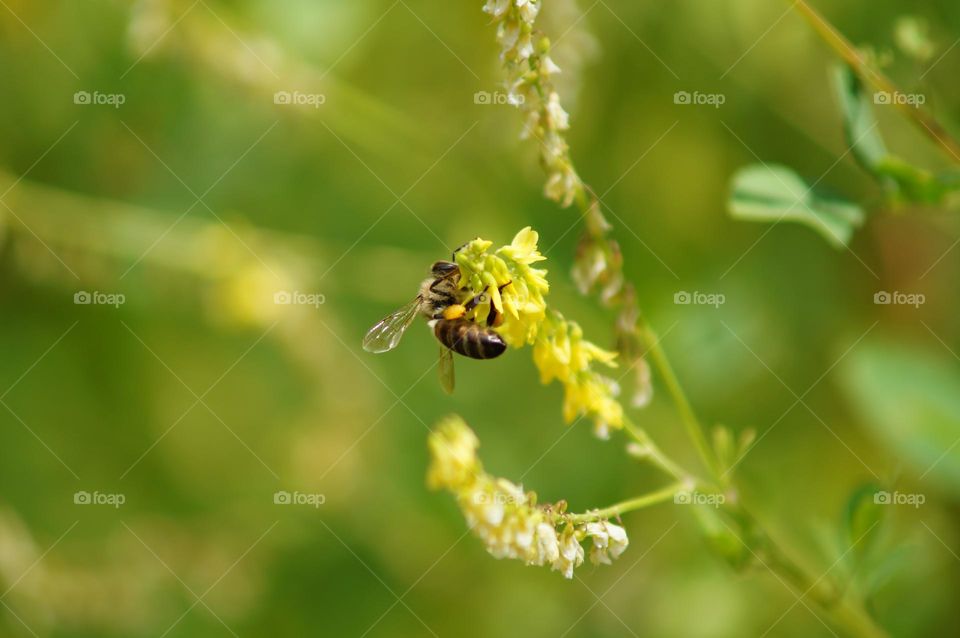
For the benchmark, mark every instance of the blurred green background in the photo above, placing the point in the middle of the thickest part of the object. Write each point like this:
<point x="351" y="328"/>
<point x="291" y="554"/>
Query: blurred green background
<point x="198" y="398"/>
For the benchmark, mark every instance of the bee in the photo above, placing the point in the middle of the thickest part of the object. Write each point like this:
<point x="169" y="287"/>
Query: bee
<point x="441" y="302"/>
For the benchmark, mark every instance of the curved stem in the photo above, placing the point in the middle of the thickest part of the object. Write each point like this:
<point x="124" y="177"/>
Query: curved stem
<point x="639" y="502"/>
<point x="845" y="612"/>
<point x="843" y="48"/>
<point x="695" y="429"/>
<point x="638" y="335"/>
<point x="654" y="453"/>
<point x="852" y="616"/>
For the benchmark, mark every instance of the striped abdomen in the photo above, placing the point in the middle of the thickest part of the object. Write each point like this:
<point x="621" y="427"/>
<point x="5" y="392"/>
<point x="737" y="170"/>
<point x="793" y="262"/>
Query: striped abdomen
<point x="469" y="339"/>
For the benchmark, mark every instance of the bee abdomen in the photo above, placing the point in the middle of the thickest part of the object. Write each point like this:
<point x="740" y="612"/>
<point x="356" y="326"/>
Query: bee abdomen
<point x="469" y="339"/>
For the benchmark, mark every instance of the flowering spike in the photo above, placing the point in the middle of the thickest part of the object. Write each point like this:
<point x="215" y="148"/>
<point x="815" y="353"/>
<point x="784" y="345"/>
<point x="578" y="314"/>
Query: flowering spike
<point x="528" y="67"/>
<point x="517" y="289"/>
<point x="508" y="520"/>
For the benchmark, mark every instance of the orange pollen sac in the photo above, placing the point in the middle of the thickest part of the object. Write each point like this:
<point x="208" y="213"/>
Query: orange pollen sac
<point x="454" y="311"/>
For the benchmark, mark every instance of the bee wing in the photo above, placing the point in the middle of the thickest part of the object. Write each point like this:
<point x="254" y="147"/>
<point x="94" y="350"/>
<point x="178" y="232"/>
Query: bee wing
<point x="446" y="369"/>
<point x="386" y="333"/>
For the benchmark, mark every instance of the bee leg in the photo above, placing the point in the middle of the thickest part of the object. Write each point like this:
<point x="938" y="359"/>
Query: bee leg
<point x="494" y="318"/>
<point x="477" y="299"/>
<point x="459" y="248"/>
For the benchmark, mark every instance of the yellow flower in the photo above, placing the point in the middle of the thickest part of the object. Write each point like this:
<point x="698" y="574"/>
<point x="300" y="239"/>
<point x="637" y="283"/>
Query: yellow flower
<point x="506" y="519"/>
<point x="561" y="353"/>
<point x="453" y="448"/>
<point x="559" y="349"/>
<point x="593" y="395"/>
<point x="521" y="300"/>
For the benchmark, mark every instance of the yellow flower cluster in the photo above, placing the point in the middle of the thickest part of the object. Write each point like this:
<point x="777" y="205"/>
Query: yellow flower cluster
<point x="562" y="353"/>
<point x="507" y="519"/>
<point x="521" y="302"/>
<point x="559" y="349"/>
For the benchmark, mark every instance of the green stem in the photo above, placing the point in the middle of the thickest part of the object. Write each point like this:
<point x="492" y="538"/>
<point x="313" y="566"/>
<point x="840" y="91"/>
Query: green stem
<point x="692" y="424"/>
<point x="842" y="610"/>
<point x="651" y="343"/>
<point x="843" y="48"/>
<point x="654" y="453"/>
<point x="639" y="502"/>
<point x="851" y="615"/>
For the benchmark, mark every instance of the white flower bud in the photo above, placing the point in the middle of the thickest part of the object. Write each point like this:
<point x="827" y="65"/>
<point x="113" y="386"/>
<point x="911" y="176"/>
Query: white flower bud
<point x="557" y="118"/>
<point x="496" y="8"/>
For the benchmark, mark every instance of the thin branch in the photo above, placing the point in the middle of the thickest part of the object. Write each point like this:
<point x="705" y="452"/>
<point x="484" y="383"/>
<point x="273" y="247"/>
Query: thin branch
<point x="653" y="498"/>
<point x="928" y="125"/>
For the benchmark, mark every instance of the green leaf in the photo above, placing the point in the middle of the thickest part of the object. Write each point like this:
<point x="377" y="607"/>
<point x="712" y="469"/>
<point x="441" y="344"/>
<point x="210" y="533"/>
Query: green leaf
<point x="915" y="184"/>
<point x="902" y="181"/>
<point x="859" y="121"/>
<point x="723" y="447"/>
<point x="884" y="567"/>
<point x="718" y="530"/>
<point x="773" y="193"/>
<point x="909" y="399"/>
<point x="861" y="522"/>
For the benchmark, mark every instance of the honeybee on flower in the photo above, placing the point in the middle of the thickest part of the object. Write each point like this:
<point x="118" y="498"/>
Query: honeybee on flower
<point x="560" y="351"/>
<point x="487" y="300"/>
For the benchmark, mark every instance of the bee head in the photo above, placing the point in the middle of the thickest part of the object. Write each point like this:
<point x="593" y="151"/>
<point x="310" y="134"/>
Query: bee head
<point x="443" y="269"/>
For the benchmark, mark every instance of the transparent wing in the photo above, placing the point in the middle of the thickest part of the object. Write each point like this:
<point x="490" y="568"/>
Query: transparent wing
<point x="446" y="369"/>
<point x="386" y="333"/>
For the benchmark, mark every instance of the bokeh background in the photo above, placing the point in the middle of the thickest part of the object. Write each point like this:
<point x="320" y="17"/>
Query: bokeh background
<point x="198" y="398"/>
